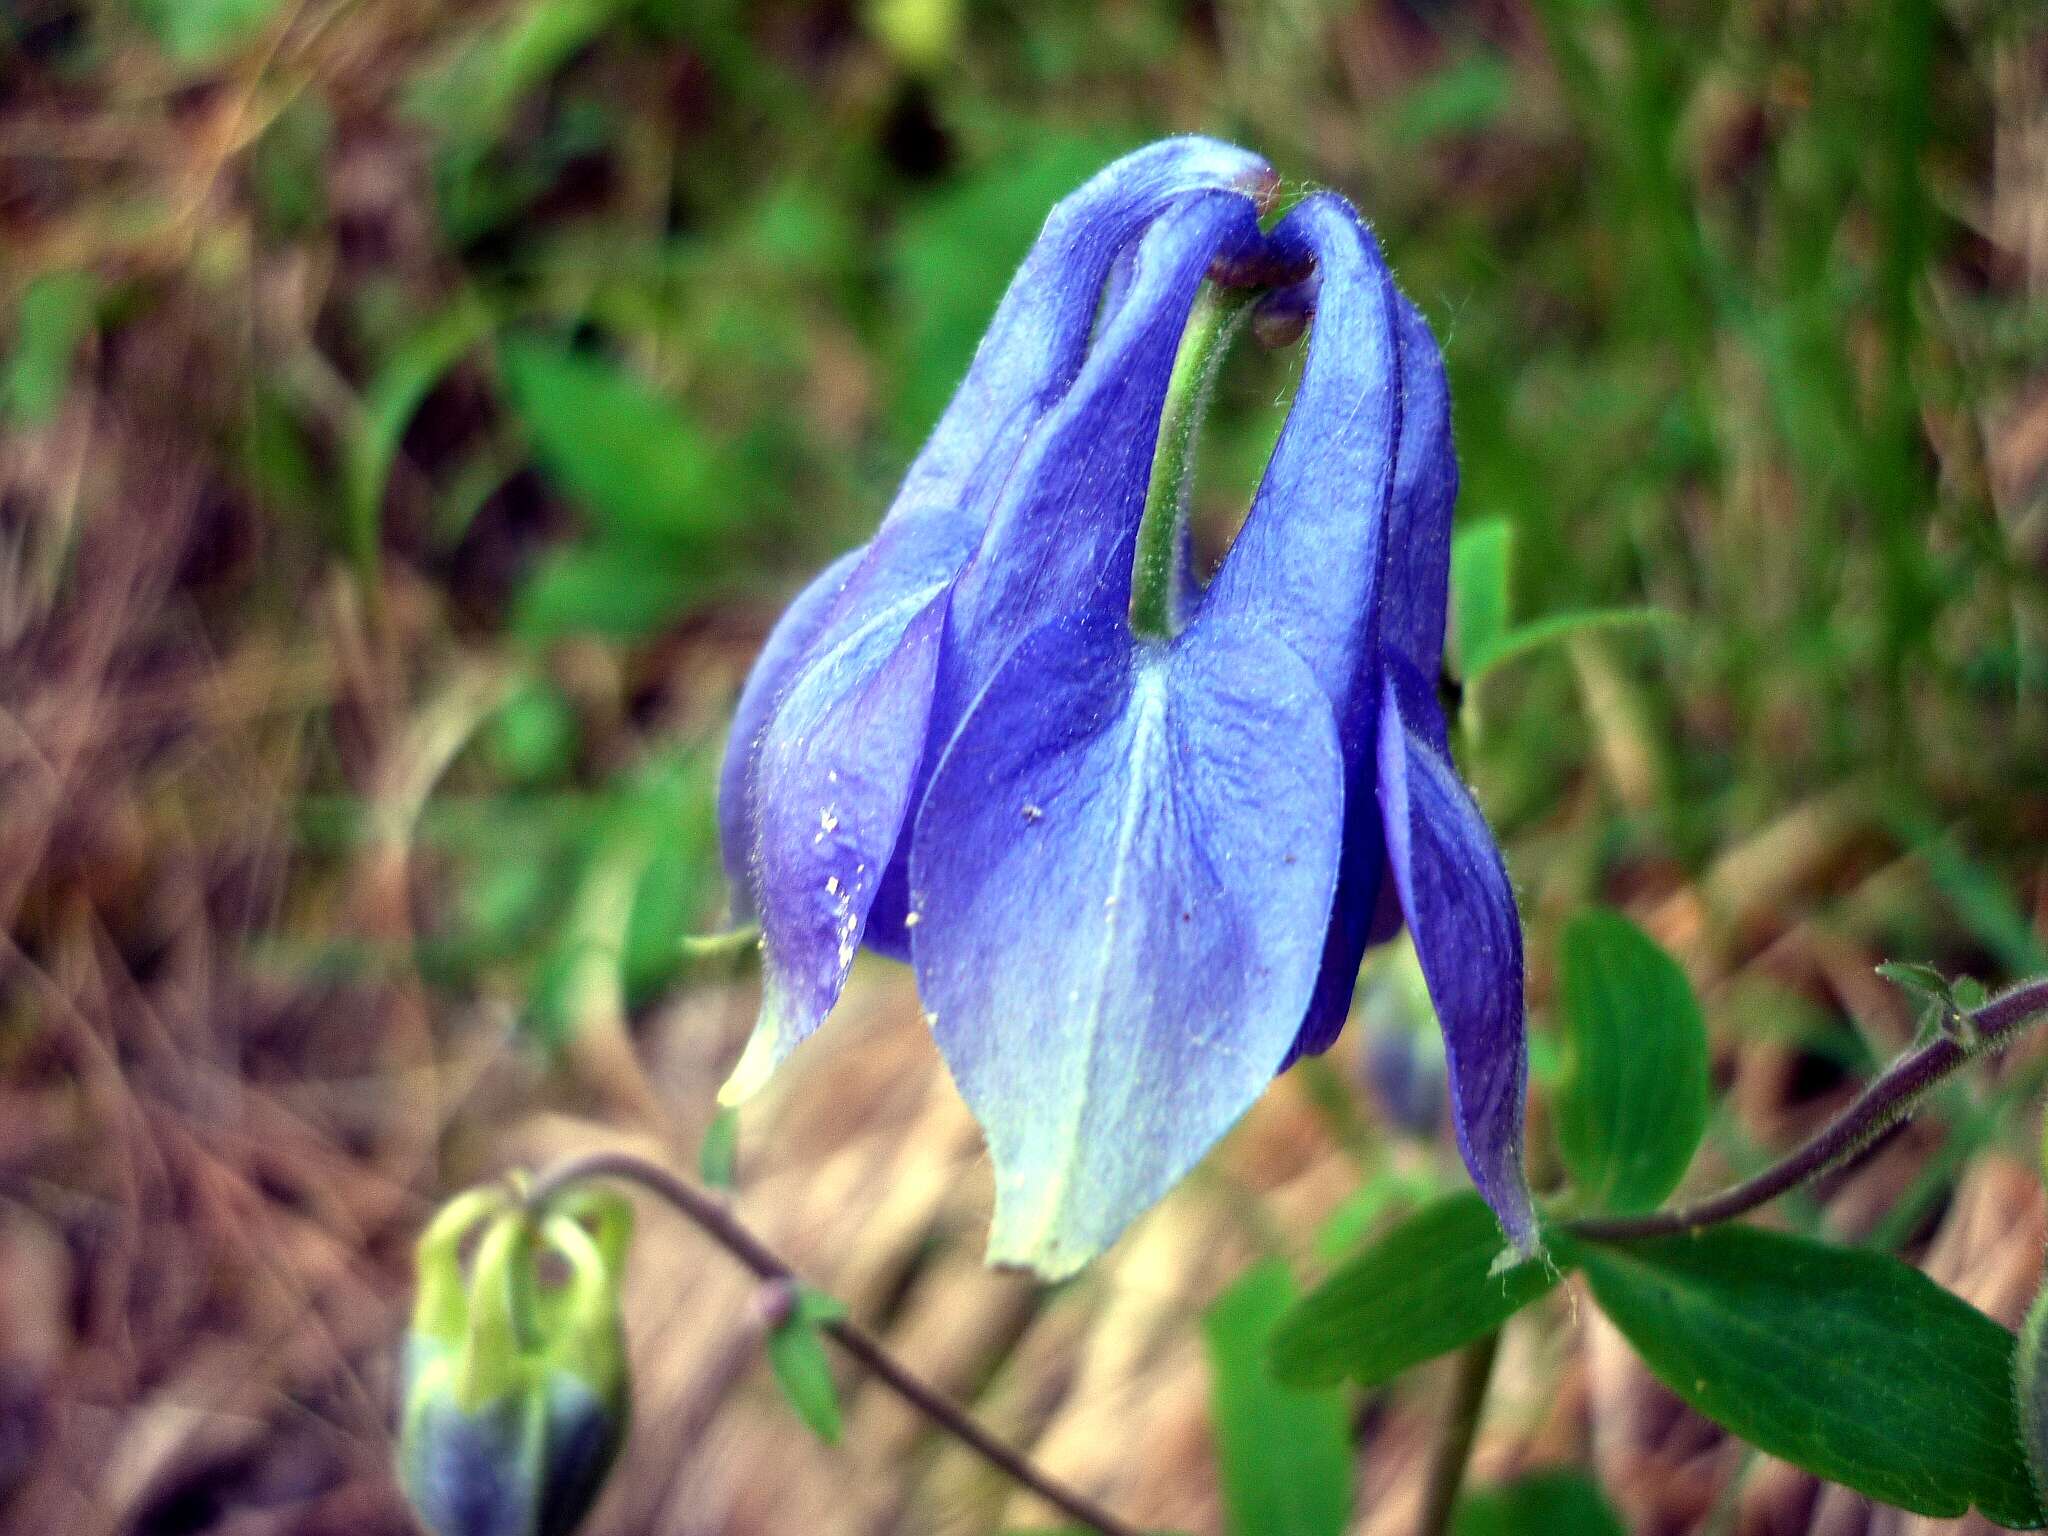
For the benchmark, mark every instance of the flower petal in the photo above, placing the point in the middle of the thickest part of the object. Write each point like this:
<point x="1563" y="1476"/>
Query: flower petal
<point x="1306" y="568"/>
<point x="786" y="647"/>
<point x="1035" y="348"/>
<point x="1413" y="584"/>
<point x="1039" y="336"/>
<point x="1416" y="583"/>
<point x="1122" y="870"/>
<point x="1461" y="911"/>
<point x="1310" y="564"/>
<point x="833" y="779"/>
<point x="1061" y="540"/>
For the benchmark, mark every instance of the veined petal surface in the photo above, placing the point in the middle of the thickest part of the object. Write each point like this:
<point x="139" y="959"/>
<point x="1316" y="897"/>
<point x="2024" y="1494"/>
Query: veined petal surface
<point x="836" y="639"/>
<point x="1408" y="622"/>
<point x="1039" y="336"/>
<point x="1122" y="870"/>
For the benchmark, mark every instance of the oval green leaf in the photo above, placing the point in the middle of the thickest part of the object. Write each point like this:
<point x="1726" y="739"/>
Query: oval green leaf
<point x="1422" y="1290"/>
<point x="803" y="1370"/>
<point x="1634" y="1102"/>
<point x="1843" y="1361"/>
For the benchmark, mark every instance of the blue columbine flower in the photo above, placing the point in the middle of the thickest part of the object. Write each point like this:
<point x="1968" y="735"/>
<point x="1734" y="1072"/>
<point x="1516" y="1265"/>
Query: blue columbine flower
<point x="1135" y="872"/>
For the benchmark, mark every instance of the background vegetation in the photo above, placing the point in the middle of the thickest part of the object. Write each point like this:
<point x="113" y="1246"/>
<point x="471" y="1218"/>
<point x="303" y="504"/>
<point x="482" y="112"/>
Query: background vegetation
<point x="412" y="416"/>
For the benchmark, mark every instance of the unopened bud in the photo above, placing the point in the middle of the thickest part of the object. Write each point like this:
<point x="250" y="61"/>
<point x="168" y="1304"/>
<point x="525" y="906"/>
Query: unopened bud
<point x="515" y="1401"/>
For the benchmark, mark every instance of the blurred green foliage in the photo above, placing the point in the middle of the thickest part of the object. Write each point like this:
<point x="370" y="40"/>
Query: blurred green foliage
<point x="197" y="31"/>
<point x="54" y="315"/>
<point x="1283" y="1455"/>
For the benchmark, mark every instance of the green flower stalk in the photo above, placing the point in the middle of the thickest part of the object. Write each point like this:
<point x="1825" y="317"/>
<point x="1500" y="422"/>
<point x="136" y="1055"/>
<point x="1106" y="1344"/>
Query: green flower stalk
<point x="514" y="1389"/>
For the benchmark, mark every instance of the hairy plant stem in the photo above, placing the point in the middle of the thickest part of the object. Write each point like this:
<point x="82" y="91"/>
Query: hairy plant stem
<point x="1159" y="568"/>
<point x="1461" y="1432"/>
<point x="710" y="1215"/>
<point x="1890" y="1096"/>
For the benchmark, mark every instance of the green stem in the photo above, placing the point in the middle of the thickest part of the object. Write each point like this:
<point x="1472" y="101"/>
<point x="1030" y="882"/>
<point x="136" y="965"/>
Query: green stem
<point x="1461" y="1432"/>
<point x="1157" y="571"/>
<point x="1889" y="1098"/>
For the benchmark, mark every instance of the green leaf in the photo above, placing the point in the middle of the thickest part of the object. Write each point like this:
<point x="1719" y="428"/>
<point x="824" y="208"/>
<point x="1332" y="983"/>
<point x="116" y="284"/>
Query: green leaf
<point x="1483" y="632"/>
<point x="1922" y="980"/>
<point x="619" y="590"/>
<point x="199" y="31"/>
<point x="1422" y="1290"/>
<point x="1555" y="1503"/>
<point x="644" y="470"/>
<point x="1843" y="1361"/>
<point x="56" y="312"/>
<point x="1284" y="1455"/>
<point x="1481" y="557"/>
<point x="394" y="397"/>
<point x="719" y="1154"/>
<point x="469" y="96"/>
<point x="796" y="1353"/>
<point x="1465" y="98"/>
<point x="1634" y="1102"/>
<point x="1389" y="1187"/>
<point x="1553" y="627"/>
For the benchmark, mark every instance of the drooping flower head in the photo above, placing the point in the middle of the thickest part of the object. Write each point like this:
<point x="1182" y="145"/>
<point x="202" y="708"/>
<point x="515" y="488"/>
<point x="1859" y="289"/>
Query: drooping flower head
<point x="1135" y="866"/>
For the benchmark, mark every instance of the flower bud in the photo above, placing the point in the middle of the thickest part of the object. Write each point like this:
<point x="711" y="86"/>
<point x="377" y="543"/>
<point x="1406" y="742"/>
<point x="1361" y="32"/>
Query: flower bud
<point x="514" y="1402"/>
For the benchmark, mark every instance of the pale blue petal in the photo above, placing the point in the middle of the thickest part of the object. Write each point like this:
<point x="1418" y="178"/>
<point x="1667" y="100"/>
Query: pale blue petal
<point x="1306" y="568"/>
<point x="833" y="777"/>
<point x="786" y="646"/>
<point x="1411" y="593"/>
<point x="1416" y="585"/>
<point x="1309" y="566"/>
<point x="1036" y="343"/>
<point x="1121" y="887"/>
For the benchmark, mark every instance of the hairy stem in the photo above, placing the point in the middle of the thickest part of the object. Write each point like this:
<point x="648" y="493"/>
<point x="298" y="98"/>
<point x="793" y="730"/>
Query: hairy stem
<point x="1461" y="1431"/>
<point x="1890" y="1096"/>
<point x="711" y="1217"/>
<point x="1159" y="567"/>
